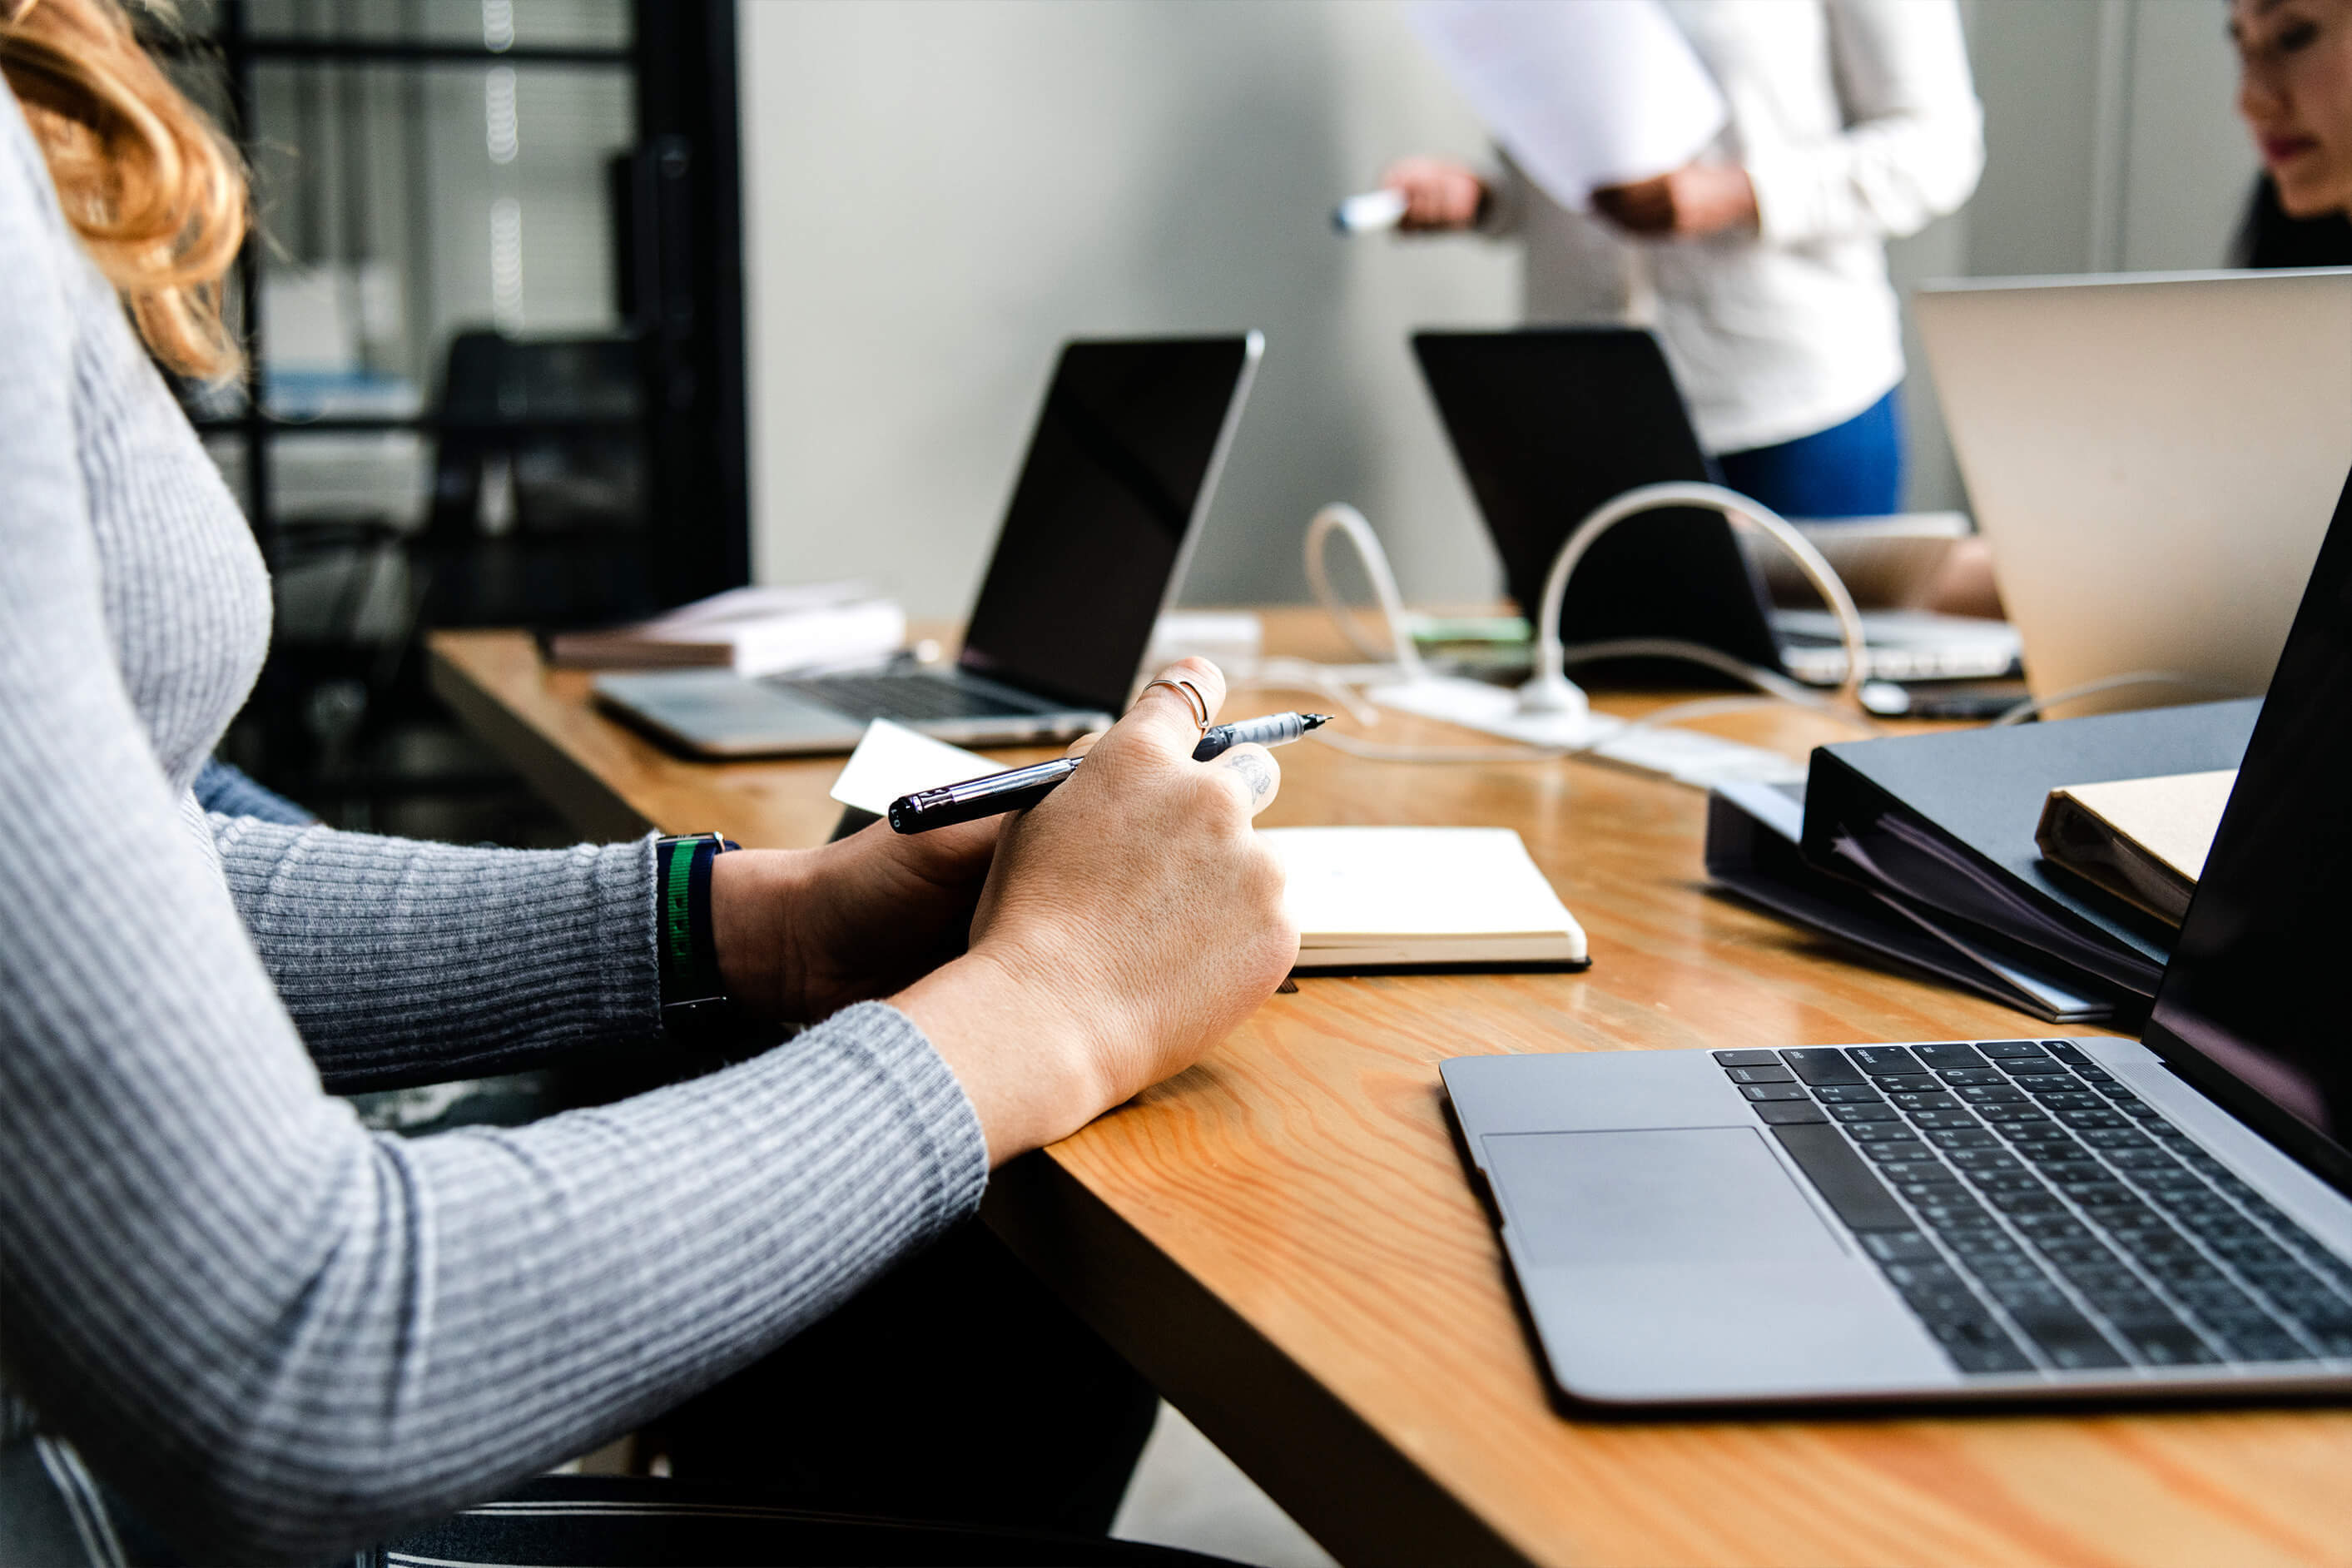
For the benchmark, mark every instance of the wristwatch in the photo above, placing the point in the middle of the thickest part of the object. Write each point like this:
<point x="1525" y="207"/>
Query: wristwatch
<point x="693" y="998"/>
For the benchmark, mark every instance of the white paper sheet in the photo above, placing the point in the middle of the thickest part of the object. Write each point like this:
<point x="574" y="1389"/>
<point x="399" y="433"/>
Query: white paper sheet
<point x="1582" y="93"/>
<point x="892" y="761"/>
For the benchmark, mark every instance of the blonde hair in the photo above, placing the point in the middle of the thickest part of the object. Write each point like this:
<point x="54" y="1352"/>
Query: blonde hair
<point x="155" y="192"/>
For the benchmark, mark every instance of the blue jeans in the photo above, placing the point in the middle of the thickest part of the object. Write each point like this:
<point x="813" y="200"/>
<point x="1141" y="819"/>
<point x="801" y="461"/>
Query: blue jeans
<point x="1853" y="469"/>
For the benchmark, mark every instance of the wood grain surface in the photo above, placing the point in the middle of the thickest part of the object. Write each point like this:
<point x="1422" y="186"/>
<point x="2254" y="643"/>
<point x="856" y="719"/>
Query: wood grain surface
<point x="1282" y="1238"/>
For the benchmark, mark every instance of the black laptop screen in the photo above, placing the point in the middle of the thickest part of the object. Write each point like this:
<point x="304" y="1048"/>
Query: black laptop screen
<point x="1114" y="474"/>
<point x="1549" y="424"/>
<point x="2255" y="1006"/>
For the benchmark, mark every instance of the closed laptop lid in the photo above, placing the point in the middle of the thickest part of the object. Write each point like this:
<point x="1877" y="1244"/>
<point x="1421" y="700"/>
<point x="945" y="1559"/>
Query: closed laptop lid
<point x="1120" y="471"/>
<point x="2253" y="1008"/>
<point x="1548" y="424"/>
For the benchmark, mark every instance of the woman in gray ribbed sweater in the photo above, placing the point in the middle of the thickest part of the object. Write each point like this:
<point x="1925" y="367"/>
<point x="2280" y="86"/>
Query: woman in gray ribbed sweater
<point x="276" y="1333"/>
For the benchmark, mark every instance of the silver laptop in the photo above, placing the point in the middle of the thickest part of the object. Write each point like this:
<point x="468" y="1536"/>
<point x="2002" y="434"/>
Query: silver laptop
<point x="1549" y="423"/>
<point x="1121" y="467"/>
<point x="2152" y="460"/>
<point x="1983" y="1219"/>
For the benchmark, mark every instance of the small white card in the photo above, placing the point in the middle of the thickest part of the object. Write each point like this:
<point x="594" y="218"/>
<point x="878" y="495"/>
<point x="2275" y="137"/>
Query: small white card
<point x="892" y="761"/>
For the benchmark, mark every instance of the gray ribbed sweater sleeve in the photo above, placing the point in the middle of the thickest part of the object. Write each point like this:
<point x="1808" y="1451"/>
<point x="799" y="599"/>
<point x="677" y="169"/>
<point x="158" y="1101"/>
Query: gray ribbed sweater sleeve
<point x="278" y="1335"/>
<point x="404" y="962"/>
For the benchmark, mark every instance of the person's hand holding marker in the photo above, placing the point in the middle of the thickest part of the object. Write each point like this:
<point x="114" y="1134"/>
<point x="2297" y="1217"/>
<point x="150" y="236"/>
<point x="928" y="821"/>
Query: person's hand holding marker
<point x="1129" y="921"/>
<point x="1693" y="202"/>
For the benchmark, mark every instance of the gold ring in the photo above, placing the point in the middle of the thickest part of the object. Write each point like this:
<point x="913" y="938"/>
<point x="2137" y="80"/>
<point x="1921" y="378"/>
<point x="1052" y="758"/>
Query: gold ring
<point x="1193" y="698"/>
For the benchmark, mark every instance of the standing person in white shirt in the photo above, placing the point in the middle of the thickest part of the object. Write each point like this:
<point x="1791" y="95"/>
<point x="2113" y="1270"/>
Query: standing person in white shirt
<point x="1762" y="264"/>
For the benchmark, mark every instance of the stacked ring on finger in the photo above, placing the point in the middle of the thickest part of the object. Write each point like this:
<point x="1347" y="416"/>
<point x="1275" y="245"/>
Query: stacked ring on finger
<point x="1191" y="695"/>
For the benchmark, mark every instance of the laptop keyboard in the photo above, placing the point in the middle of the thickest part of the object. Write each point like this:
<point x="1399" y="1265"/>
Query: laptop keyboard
<point x="903" y="697"/>
<point x="2035" y="1213"/>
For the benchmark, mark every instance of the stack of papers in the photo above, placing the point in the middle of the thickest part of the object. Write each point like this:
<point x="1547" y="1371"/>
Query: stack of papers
<point x="753" y="631"/>
<point x="1580" y="95"/>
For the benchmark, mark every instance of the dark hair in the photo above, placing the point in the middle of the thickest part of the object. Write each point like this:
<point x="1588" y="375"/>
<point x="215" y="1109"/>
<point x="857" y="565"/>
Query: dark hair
<point x="2269" y="238"/>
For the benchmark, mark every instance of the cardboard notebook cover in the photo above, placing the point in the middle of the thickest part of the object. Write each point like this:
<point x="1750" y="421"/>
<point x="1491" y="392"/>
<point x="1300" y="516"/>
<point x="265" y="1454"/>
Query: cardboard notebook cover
<point x="1946" y="824"/>
<point x="2143" y="840"/>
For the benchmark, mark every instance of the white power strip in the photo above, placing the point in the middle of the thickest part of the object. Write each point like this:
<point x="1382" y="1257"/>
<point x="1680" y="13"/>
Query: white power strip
<point x="1685" y="756"/>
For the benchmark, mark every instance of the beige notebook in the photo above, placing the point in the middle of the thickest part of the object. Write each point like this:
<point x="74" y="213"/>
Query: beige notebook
<point x="2143" y="840"/>
<point x="1373" y="897"/>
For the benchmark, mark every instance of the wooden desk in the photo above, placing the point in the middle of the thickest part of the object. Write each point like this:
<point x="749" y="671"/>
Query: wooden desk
<point x="1283" y="1241"/>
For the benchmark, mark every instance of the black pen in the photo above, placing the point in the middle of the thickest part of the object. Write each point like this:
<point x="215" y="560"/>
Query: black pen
<point x="1021" y="788"/>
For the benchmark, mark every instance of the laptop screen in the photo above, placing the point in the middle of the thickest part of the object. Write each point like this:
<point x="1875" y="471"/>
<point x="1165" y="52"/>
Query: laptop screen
<point x="2253" y="1008"/>
<point x="1548" y="425"/>
<point x="1119" y="469"/>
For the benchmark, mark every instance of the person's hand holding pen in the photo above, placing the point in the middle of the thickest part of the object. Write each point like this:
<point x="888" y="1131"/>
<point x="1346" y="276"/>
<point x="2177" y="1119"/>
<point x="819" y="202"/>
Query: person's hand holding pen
<point x="1129" y="921"/>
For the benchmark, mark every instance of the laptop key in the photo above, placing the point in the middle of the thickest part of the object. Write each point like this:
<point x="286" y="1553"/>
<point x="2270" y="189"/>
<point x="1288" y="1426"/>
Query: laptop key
<point x="2070" y="1339"/>
<point x="1774" y="1090"/>
<point x="1914" y="1082"/>
<point x="1900" y="1247"/>
<point x="1990" y="1359"/>
<point x="2064" y="1051"/>
<point x="1879" y="1060"/>
<point x="1933" y="1120"/>
<point x="1747" y="1058"/>
<point x="1786" y="1115"/>
<point x="1865" y="1113"/>
<point x="2275" y="1344"/>
<point x="1933" y="1099"/>
<point x="2036" y="1066"/>
<point x="1844" y="1178"/>
<point x="1999" y="1049"/>
<point x="2167" y="1344"/>
<point x="1971" y="1137"/>
<point x="1768" y="1073"/>
<point x="1889" y="1151"/>
<point x="1955" y="1054"/>
<point x="1847" y="1094"/>
<point x="1882" y="1132"/>
<point x="1821" y="1064"/>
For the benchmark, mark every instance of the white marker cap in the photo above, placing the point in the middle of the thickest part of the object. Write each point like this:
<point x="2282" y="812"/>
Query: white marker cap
<point x="1373" y="212"/>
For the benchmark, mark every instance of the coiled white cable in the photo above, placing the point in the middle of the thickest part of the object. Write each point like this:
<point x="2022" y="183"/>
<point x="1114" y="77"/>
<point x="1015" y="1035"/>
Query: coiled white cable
<point x="1547" y="691"/>
<point x="1403" y="660"/>
<point x="1344" y="519"/>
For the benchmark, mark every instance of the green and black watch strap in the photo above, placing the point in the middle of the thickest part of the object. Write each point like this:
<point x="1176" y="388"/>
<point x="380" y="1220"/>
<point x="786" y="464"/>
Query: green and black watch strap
<point x="692" y="997"/>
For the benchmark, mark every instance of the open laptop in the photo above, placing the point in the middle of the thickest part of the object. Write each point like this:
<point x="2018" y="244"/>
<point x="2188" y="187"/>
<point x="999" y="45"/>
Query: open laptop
<point x="2151" y="458"/>
<point x="1990" y="1219"/>
<point x="1120" y="470"/>
<point x="1549" y="423"/>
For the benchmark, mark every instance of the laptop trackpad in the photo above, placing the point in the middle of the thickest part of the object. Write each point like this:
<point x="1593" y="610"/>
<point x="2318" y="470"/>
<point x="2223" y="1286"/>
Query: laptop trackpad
<point x="1682" y="1194"/>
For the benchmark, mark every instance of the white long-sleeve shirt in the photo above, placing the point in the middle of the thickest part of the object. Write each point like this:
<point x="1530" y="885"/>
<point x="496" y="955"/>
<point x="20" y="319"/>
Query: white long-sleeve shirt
<point x="1855" y="120"/>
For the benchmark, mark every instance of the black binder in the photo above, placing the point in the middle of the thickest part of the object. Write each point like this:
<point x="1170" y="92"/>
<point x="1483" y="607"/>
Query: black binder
<point x="1941" y="828"/>
<point x="1920" y="848"/>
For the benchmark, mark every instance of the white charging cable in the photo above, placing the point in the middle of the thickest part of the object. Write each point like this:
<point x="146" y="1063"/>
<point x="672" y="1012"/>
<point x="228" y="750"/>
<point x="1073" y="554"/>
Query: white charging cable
<point x="1549" y="691"/>
<point x="1400" y="661"/>
<point x="1341" y="517"/>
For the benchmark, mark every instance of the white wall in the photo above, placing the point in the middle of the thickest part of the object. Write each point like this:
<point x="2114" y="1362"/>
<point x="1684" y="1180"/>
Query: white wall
<point x="937" y="194"/>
